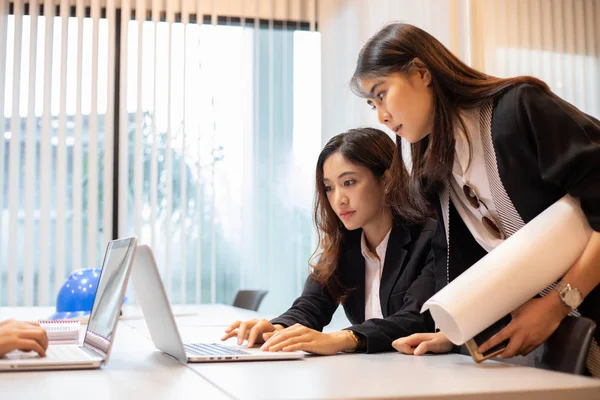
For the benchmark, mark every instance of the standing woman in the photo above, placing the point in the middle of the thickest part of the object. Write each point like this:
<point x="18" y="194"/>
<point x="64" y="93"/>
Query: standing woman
<point x="369" y="259"/>
<point x="490" y="154"/>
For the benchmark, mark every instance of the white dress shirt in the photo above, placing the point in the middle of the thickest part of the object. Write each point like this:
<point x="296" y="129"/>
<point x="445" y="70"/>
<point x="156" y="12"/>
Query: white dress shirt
<point x="373" y="271"/>
<point x="474" y="175"/>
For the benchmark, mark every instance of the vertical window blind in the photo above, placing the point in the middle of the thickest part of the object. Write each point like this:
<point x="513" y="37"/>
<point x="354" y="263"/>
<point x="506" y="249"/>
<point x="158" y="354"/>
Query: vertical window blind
<point x="194" y="125"/>
<point x="557" y="41"/>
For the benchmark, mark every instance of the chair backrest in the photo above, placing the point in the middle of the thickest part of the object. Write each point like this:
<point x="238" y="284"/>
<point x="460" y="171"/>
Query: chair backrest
<point x="567" y="349"/>
<point x="249" y="299"/>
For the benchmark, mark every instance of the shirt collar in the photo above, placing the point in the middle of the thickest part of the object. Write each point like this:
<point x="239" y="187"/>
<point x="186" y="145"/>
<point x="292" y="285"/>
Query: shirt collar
<point x="380" y="249"/>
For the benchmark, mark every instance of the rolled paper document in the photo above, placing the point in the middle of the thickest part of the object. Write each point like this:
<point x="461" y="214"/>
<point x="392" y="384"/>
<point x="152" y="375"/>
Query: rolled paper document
<point x="534" y="257"/>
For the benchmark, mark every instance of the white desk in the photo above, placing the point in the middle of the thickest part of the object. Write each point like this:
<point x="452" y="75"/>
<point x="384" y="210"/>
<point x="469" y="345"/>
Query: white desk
<point x="388" y="375"/>
<point x="136" y="368"/>
<point x="134" y="371"/>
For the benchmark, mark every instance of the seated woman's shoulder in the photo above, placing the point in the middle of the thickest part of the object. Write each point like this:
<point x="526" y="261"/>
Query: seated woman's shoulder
<point x="427" y="227"/>
<point x="430" y="224"/>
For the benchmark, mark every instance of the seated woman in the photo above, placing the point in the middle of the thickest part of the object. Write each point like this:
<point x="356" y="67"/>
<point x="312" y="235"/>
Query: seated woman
<point x="24" y="336"/>
<point x="369" y="256"/>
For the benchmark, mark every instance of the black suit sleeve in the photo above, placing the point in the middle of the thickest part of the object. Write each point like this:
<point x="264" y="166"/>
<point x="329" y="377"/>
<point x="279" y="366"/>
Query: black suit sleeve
<point x="567" y="142"/>
<point x="380" y="333"/>
<point x="313" y="309"/>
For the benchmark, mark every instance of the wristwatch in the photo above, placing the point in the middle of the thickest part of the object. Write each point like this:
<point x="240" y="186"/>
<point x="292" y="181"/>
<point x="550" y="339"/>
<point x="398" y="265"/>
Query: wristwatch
<point x="361" y="342"/>
<point x="570" y="296"/>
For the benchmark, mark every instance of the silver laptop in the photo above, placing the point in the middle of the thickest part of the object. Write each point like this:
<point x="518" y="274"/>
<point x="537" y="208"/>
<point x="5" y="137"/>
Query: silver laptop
<point x="161" y="323"/>
<point x="102" y="324"/>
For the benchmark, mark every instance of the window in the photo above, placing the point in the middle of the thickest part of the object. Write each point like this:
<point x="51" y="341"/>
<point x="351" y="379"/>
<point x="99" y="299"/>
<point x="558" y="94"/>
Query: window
<point x="217" y="133"/>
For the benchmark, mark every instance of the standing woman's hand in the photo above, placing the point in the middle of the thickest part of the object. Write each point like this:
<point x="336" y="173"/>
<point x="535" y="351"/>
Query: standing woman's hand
<point x="532" y="323"/>
<point x="23" y="336"/>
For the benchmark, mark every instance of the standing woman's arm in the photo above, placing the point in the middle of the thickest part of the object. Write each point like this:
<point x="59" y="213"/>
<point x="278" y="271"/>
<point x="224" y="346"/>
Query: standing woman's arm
<point x="567" y="146"/>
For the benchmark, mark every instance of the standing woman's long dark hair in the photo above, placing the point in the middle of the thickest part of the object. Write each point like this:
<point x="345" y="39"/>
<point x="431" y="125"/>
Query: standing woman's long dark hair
<point x="456" y="86"/>
<point x="367" y="147"/>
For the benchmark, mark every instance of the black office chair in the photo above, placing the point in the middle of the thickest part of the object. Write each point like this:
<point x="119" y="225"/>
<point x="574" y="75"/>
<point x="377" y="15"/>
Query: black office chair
<point x="567" y="349"/>
<point x="249" y="299"/>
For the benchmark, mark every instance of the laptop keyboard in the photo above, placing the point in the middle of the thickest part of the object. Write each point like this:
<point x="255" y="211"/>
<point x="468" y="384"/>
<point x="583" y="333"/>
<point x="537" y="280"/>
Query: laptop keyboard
<point x="213" y="349"/>
<point x="54" y="352"/>
<point x="21" y="355"/>
<point x="60" y="353"/>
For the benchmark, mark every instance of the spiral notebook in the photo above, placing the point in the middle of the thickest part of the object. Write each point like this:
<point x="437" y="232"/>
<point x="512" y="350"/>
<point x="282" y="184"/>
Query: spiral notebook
<point x="61" y="331"/>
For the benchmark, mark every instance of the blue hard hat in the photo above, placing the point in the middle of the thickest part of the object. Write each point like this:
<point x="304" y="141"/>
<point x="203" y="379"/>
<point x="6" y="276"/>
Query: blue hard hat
<point x="76" y="296"/>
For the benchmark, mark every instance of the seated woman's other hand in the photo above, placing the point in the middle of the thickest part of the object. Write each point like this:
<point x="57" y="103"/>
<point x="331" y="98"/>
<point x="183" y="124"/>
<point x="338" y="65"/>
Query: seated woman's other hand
<point x="299" y="337"/>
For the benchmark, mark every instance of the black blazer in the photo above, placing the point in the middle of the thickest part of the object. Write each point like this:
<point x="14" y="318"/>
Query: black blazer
<point x="545" y="148"/>
<point x="402" y="291"/>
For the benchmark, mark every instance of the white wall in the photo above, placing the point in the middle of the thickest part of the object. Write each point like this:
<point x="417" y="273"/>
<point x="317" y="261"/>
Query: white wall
<point x="345" y="26"/>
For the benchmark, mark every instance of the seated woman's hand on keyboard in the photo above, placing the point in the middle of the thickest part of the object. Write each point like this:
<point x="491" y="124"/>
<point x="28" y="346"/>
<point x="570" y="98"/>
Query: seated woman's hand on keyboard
<point x="23" y="336"/>
<point x="299" y="337"/>
<point x="253" y="330"/>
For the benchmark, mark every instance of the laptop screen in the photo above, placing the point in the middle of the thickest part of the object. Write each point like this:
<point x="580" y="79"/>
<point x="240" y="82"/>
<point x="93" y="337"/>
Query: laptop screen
<point x="109" y="295"/>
